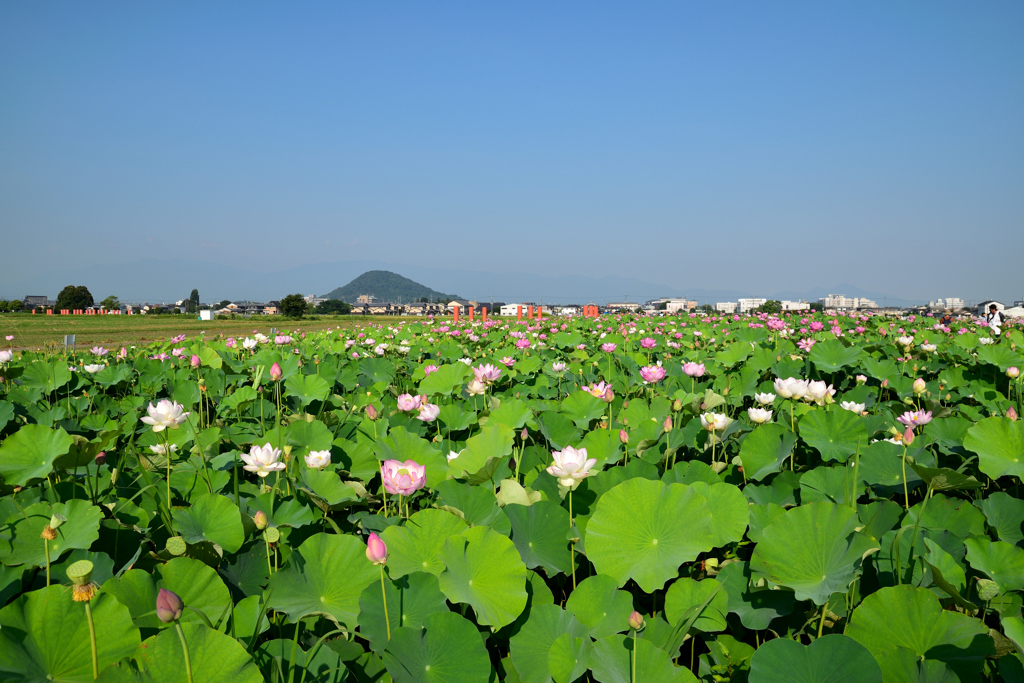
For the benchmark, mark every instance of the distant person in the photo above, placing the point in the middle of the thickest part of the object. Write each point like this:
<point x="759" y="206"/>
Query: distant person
<point x="995" y="319"/>
<point x="947" y="318"/>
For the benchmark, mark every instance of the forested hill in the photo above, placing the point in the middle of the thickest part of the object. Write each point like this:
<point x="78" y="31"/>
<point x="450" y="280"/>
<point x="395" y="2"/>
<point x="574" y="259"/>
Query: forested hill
<point x="387" y="286"/>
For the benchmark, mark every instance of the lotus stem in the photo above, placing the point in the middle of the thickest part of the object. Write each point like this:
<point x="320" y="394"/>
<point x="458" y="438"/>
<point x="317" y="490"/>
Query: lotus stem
<point x="46" y="547"/>
<point x="184" y="648"/>
<point x="384" y="594"/>
<point x="167" y="454"/>
<point x="633" y="679"/>
<point x="821" y="622"/>
<point x="572" y="545"/>
<point x="92" y="642"/>
<point x="906" y="497"/>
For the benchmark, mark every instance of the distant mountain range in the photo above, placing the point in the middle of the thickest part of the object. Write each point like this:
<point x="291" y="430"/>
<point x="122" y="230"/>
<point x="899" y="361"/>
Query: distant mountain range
<point x="155" y="280"/>
<point x="387" y="286"/>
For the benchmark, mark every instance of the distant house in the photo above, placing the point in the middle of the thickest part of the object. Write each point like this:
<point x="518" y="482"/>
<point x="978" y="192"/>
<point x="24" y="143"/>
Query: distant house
<point x="463" y="305"/>
<point x="983" y="306"/>
<point x="32" y="302"/>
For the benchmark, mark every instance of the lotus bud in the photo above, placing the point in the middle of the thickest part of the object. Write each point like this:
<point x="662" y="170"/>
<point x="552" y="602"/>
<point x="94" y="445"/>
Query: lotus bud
<point x="908" y="436"/>
<point x="376" y="549"/>
<point x="80" y="575"/>
<point x="885" y="382"/>
<point x="1013" y="373"/>
<point x="168" y="606"/>
<point x="1011" y="413"/>
<point x="948" y="396"/>
<point x="919" y="386"/>
<point x="609" y="395"/>
<point x="371" y="412"/>
<point x="194" y="362"/>
<point x="623" y="436"/>
<point x="667" y="425"/>
<point x="677" y="405"/>
<point x="260" y="520"/>
<point x="861" y="379"/>
<point x="275" y="372"/>
<point x="636" y="620"/>
<point x="525" y="434"/>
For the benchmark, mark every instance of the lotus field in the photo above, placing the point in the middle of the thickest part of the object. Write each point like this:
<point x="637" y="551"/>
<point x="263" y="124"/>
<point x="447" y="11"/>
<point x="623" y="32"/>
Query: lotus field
<point x="796" y="498"/>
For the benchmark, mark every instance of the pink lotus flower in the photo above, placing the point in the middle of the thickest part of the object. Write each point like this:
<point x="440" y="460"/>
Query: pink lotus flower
<point x="230" y="342"/>
<point x="403" y="478"/>
<point x="428" y="412"/>
<point x="806" y="344"/>
<point x="99" y="351"/>
<point x="429" y="369"/>
<point x="376" y="549"/>
<point x="486" y="374"/>
<point x="652" y="373"/>
<point x="194" y="361"/>
<point x="648" y="343"/>
<point x="915" y="418"/>
<point x="598" y="390"/>
<point x="508" y="361"/>
<point x="275" y="372"/>
<point x="571" y="466"/>
<point x="407" y="403"/>
<point x="123" y="353"/>
<point x="609" y="347"/>
<point x="523" y="343"/>
<point x="178" y="339"/>
<point x="693" y="369"/>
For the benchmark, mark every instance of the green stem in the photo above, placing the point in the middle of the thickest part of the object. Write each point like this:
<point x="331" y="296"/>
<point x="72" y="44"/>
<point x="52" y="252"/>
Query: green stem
<point x="634" y="656"/>
<point x="906" y="497"/>
<point x="92" y="643"/>
<point x="572" y="545"/>
<point x="295" y="647"/>
<point x="821" y="622"/>
<point x="46" y="547"/>
<point x="167" y="454"/>
<point x="387" y="619"/>
<point x="184" y="647"/>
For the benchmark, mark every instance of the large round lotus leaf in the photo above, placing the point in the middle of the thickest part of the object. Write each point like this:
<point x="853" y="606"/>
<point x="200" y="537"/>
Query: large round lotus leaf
<point x="402" y="445"/>
<point x="29" y="453"/>
<point x="448" y="649"/>
<point x="411" y="599"/>
<point x="198" y="586"/>
<point x="1000" y="356"/>
<point x="952" y="515"/>
<point x="814" y="550"/>
<point x="643" y="530"/>
<point x="538" y="532"/>
<point x="835" y="433"/>
<point x="765" y="450"/>
<point x="46" y="376"/>
<point x="599" y="604"/>
<point x="1001" y="561"/>
<point x="531" y="647"/>
<point x="730" y="511"/>
<point x="999" y="443"/>
<point x="477" y="504"/>
<point x="414" y="546"/>
<point x="274" y="657"/>
<point x="831" y="355"/>
<point x="913" y="618"/>
<point x="755" y="606"/>
<point x="686" y="595"/>
<point x="325" y="575"/>
<point x="307" y="388"/>
<point x="611" y="662"/>
<point x="482" y="455"/>
<point x="569" y="657"/>
<point x="581" y="407"/>
<point x="902" y="664"/>
<point x="44" y="636"/>
<point x="213" y="518"/>
<point x="215" y="657"/>
<point x="26" y="547"/>
<point x="1005" y="514"/>
<point x="484" y="569"/>
<point x="829" y="659"/>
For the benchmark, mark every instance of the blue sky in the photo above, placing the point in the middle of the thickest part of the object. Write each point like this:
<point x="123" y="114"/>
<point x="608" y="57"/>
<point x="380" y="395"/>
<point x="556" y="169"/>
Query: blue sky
<point x="739" y="145"/>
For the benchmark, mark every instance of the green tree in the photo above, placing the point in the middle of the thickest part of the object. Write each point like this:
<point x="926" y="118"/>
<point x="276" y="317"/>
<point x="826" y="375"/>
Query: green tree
<point x="223" y="303"/>
<point x="293" y="306"/>
<point x="817" y="306"/>
<point x="334" y="307"/>
<point x="72" y="298"/>
<point x="111" y="303"/>
<point x="193" y="301"/>
<point x="771" y="306"/>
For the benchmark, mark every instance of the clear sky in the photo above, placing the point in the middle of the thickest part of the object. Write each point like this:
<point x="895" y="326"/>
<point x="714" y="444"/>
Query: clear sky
<point x="740" y="145"/>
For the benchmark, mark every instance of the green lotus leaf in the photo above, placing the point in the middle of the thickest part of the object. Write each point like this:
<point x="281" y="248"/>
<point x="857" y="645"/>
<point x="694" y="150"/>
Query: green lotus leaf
<point x="611" y="662"/>
<point x="999" y="355"/>
<point x="215" y="657"/>
<point x="831" y="659"/>
<point x="835" y="433"/>
<point x="411" y="599"/>
<point x="999" y="443"/>
<point x="47" y="377"/>
<point x="198" y="586"/>
<point x="643" y="530"/>
<point x="760" y="517"/>
<point x="765" y="450"/>
<point x="325" y="575"/>
<point x="455" y="418"/>
<point x="1005" y="514"/>
<point x="686" y="595"/>
<point x="600" y="605"/>
<point x="44" y="636"/>
<point x="477" y="504"/>
<point x="729" y="511"/>
<point x="557" y="429"/>
<point x="483" y="453"/>
<point x="326" y="488"/>
<point x="814" y="550"/>
<point x="513" y="413"/>
<point x="1001" y="561"/>
<point x="304" y="437"/>
<point x="307" y="388"/>
<point x="581" y="407"/>
<point x="953" y="515"/>
<point x="213" y="518"/>
<point x="950" y="572"/>
<point x="414" y="546"/>
<point x="732" y="354"/>
<point x="828" y="485"/>
<point x="831" y="355"/>
<point x="483" y="569"/>
<point x="569" y="657"/>
<point x="402" y="445"/>
<point x="274" y="657"/>
<point x="29" y="453"/>
<point x="445" y="379"/>
<point x="25" y="546"/>
<point x="531" y="647"/>
<point x="447" y="649"/>
<point x="538" y="532"/>
<point x="913" y="618"/>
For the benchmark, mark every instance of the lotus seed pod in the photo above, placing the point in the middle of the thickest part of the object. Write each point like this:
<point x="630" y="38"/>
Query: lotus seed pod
<point x="272" y="534"/>
<point x="168" y="606"/>
<point x="987" y="589"/>
<point x="176" y="546"/>
<point x="57" y="520"/>
<point x="261" y="521"/>
<point x="636" y="620"/>
<point x="80" y="574"/>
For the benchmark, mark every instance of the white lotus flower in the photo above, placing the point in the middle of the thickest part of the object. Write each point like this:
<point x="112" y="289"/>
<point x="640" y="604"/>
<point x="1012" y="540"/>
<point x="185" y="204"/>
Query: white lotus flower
<point x="249" y="344"/>
<point x="819" y="392"/>
<point x="985" y="341"/>
<point x="905" y="341"/>
<point x="452" y="455"/>
<point x="6" y="356"/>
<point x="791" y="387"/>
<point x="571" y="466"/>
<point x="929" y="348"/>
<point x="715" y="422"/>
<point x="318" y="460"/>
<point x="166" y="414"/>
<point x="765" y="399"/>
<point x="92" y="369"/>
<point x="852" y="407"/>
<point x="759" y="415"/>
<point x="160" y="449"/>
<point x="262" y="460"/>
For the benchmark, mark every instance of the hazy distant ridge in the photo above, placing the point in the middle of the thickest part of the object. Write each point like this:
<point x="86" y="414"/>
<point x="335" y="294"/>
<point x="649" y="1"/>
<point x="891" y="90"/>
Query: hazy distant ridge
<point x="386" y="286"/>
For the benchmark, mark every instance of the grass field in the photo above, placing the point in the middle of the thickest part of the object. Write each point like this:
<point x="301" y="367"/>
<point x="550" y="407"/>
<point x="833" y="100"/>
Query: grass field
<point x="36" y="331"/>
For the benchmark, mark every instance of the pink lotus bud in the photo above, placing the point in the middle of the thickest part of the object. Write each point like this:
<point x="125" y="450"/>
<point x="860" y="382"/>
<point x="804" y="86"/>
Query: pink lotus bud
<point x="275" y="372"/>
<point x="885" y="382"/>
<point x="636" y="620"/>
<point x="101" y="458"/>
<point x="168" y="606"/>
<point x="376" y="549"/>
<point x="1013" y="373"/>
<point x="919" y="386"/>
<point x="667" y="425"/>
<point x="1011" y="413"/>
<point x="908" y="436"/>
<point x="194" y="362"/>
<point x="623" y="436"/>
<point x="677" y="405"/>
<point x="524" y="435"/>
<point x="371" y="412"/>
<point x="260" y="519"/>
<point x="609" y="395"/>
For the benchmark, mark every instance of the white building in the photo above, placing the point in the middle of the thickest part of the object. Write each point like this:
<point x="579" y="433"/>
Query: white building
<point x="795" y="306"/>
<point x="951" y="302"/>
<point x="844" y="303"/>
<point x="726" y="306"/>
<point x="747" y="305"/>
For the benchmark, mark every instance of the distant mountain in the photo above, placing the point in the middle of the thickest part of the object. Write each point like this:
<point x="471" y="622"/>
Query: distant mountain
<point x="386" y="286"/>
